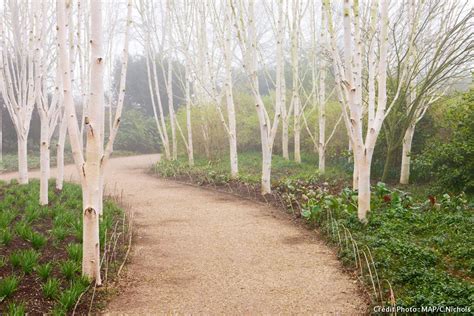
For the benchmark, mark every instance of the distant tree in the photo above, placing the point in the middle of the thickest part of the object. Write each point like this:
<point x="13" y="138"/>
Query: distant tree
<point x="440" y="33"/>
<point x="17" y="72"/>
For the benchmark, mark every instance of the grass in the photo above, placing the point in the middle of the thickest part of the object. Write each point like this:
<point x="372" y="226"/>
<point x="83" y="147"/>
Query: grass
<point x="69" y="269"/>
<point x="29" y="260"/>
<point x="419" y="249"/>
<point x="16" y="309"/>
<point x="42" y="246"/>
<point x="8" y="286"/>
<point x="5" y="236"/>
<point x="74" y="252"/>
<point x="51" y="288"/>
<point x="423" y="249"/>
<point x="218" y="170"/>
<point x="44" y="270"/>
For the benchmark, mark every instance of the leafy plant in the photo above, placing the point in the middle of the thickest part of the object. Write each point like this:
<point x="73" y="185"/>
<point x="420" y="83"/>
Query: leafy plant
<point x="74" y="252"/>
<point x="24" y="230"/>
<point x="15" y="259"/>
<point x="8" y="286"/>
<point x="51" y="288"/>
<point x="70" y="296"/>
<point x="31" y="214"/>
<point x="29" y="260"/>
<point x="37" y="240"/>
<point x="6" y="217"/>
<point x="69" y="269"/>
<point x="44" y="270"/>
<point x="6" y="236"/>
<point x="59" y="233"/>
<point x="16" y="309"/>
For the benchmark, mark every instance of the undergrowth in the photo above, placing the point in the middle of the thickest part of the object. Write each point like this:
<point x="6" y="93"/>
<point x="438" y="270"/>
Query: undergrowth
<point x="41" y="248"/>
<point x="415" y="251"/>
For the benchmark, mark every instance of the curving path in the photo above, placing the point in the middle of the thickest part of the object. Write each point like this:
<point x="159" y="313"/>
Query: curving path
<point x="203" y="252"/>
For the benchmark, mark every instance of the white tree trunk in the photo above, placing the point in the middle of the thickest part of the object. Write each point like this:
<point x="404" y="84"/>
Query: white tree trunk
<point x="1" y="134"/>
<point x="22" y="160"/>
<point x="60" y="153"/>
<point x="44" y="162"/>
<point x="266" y="169"/>
<point x="296" y="100"/>
<point x="189" y="126"/>
<point x="92" y="190"/>
<point x="284" y="133"/>
<point x="322" y="159"/>
<point x="232" y="130"/>
<point x="174" y="141"/>
<point x="406" y="154"/>
<point x="363" y="198"/>
<point x="322" y="118"/>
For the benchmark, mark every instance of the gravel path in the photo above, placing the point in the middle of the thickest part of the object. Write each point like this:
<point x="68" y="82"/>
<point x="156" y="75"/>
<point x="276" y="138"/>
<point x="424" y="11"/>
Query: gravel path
<point x="203" y="252"/>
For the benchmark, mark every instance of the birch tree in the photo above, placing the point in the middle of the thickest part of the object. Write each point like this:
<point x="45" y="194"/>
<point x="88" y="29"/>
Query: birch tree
<point x="168" y="35"/>
<point x="90" y="166"/>
<point x="17" y="73"/>
<point x="244" y="22"/>
<point x="152" y="42"/>
<point x="224" y="38"/>
<point x="47" y="105"/>
<point x="348" y="75"/>
<point x="295" y="34"/>
<point x="439" y="37"/>
<point x="184" y="28"/>
<point x="318" y="94"/>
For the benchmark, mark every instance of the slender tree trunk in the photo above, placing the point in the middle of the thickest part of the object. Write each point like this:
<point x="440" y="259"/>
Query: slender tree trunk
<point x="322" y="159"/>
<point x="1" y="134"/>
<point x="234" y="165"/>
<point x="297" y="128"/>
<point x="266" y="168"/>
<point x="363" y="186"/>
<point x="406" y="154"/>
<point x="188" y="116"/>
<point x="322" y="118"/>
<point x="355" y="172"/>
<point x="296" y="101"/>
<point x="22" y="160"/>
<point x="284" y="133"/>
<point x="232" y="132"/>
<point x="174" y="141"/>
<point x="94" y="151"/>
<point x="60" y="153"/>
<point x="44" y="161"/>
<point x="388" y="163"/>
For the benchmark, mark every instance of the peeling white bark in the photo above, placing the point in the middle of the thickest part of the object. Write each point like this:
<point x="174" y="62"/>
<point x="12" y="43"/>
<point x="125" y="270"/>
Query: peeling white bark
<point x="348" y="75"/>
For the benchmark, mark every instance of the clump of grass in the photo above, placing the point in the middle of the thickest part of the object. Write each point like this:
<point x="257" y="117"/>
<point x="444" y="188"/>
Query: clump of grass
<point x="5" y="236"/>
<point x="15" y="259"/>
<point x="6" y="217"/>
<point x="51" y="288"/>
<point x="3" y="261"/>
<point x="8" y="286"/>
<point x="44" y="270"/>
<point x="37" y="240"/>
<point x="70" y="296"/>
<point x="16" y="309"/>
<point x="59" y="233"/>
<point x="74" y="252"/>
<point x="29" y="260"/>
<point x="24" y="230"/>
<point x="77" y="230"/>
<point x="31" y="214"/>
<point x="69" y="269"/>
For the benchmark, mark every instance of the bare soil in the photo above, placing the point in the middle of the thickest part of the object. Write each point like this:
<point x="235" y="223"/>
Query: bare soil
<point x="203" y="252"/>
